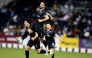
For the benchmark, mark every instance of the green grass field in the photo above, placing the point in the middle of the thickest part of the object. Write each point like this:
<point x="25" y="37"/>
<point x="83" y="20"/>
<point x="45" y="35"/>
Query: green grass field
<point x="19" y="53"/>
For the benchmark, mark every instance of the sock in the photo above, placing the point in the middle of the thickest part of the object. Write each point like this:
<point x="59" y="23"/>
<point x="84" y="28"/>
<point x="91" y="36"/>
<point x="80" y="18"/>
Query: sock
<point x="53" y="55"/>
<point x="27" y="54"/>
<point x="44" y="42"/>
<point x="42" y="52"/>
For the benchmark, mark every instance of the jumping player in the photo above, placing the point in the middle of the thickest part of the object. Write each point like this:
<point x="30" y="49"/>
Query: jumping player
<point x="42" y="17"/>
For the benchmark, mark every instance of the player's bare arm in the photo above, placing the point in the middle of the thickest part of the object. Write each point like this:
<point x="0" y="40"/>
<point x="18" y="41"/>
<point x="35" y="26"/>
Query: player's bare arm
<point x="45" y="19"/>
<point x="57" y="36"/>
<point x="50" y="16"/>
<point x="30" y="31"/>
<point x="36" y="35"/>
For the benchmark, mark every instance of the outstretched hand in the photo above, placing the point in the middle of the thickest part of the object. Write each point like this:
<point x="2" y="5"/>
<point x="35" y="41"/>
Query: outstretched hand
<point x="19" y="37"/>
<point x="62" y="41"/>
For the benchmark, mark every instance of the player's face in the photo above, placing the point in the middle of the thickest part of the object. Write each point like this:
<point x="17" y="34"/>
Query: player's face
<point x="26" y="23"/>
<point x="42" y="5"/>
<point x="48" y="26"/>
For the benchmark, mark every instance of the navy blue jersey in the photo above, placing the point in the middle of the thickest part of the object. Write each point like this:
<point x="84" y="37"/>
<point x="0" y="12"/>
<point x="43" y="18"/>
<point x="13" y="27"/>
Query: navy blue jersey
<point x="41" y="15"/>
<point x="49" y="35"/>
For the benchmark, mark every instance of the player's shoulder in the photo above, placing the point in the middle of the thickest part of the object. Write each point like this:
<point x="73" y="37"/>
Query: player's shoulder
<point x="45" y="30"/>
<point x="44" y="10"/>
<point x="31" y="26"/>
<point x="53" y="31"/>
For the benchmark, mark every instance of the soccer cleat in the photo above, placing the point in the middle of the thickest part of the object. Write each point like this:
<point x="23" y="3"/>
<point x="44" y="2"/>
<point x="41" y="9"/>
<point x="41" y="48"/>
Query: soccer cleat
<point x="46" y="52"/>
<point x="19" y="40"/>
<point x="50" y="52"/>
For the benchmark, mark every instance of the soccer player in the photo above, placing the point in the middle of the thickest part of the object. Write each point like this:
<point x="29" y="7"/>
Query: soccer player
<point x="42" y="17"/>
<point x="49" y="36"/>
<point x="34" y="40"/>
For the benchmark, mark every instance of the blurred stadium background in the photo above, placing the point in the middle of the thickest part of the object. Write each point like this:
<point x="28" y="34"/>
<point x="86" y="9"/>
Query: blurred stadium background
<point x="72" y="21"/>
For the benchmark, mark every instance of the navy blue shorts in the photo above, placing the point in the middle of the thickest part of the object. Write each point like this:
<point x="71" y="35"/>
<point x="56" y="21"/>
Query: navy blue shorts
<point x="50" y="44"/>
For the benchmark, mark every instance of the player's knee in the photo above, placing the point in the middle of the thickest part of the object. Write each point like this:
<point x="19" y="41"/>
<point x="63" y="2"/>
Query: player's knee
<point x="52" y="50"/>
<point x="27" y="48"/>
<point x="38" y="51"/>
<point x="42" y="39"/>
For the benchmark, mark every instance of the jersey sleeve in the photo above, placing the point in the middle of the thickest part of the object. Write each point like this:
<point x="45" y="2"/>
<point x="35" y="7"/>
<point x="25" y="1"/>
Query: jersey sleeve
<point x="44" y="32"/>
<point x="34" y="28"/>
<point x="25" y="35"/>
<point x="44" y="13"/>
<point x="54" y="32"/>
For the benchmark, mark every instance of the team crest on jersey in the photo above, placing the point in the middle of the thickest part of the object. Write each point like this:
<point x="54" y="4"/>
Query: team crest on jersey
<point x="48" y="35"/>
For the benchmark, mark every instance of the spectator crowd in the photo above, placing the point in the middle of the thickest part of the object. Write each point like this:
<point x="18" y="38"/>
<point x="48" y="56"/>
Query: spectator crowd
<point x="74" y="21"/>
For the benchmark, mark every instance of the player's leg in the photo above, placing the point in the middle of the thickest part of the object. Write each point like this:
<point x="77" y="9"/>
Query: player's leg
<point x="42" y="45"/>
<point x="27" y="48"/>
<point x="38" y="50"/>
<point x="43" y="41"/>
<point x="40" y="31"/>
<point x="51" y="47"/>
<point x="37" y="47"/>
<point x="45" y="45"/>
<point x="27" y="51"/>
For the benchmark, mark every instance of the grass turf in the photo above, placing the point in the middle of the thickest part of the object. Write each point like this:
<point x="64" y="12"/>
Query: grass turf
<point x="19" y="53"/>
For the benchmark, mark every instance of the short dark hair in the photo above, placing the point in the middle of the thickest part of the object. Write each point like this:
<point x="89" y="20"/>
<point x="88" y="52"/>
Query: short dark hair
<point x="44" y="2"/>
<point x="48" y="23"/>
<point x="28" y="20"/>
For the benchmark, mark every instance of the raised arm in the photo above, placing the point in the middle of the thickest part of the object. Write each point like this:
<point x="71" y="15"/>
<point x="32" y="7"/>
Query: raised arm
<point x="45" y="19"/>
<point x="50" y="16"/>
<point x="57" y="36"/>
